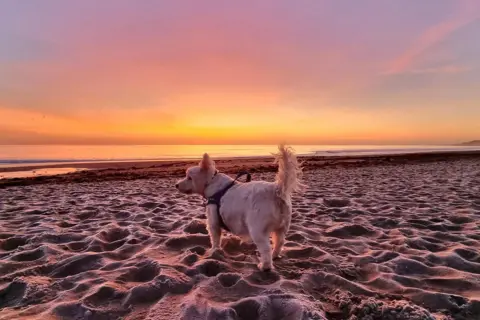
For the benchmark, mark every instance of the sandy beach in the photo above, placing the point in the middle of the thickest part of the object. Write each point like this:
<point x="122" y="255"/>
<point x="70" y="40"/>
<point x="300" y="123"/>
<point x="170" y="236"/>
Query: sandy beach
<point x="392" y="237"/>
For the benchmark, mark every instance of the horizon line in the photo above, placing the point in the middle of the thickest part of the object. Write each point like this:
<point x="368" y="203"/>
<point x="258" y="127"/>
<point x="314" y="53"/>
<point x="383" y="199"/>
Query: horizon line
<point x="244" y="144"/>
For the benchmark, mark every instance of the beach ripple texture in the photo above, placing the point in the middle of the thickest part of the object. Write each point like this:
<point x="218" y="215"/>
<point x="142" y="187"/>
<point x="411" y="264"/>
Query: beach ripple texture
<point x="380" y="242"/>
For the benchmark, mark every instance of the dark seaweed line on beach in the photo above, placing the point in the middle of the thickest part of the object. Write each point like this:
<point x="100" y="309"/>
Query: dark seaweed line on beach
<point x="232" y="166"/>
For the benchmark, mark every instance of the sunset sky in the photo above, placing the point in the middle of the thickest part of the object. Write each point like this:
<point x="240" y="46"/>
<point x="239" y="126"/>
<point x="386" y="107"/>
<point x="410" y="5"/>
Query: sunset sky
<point x="304" y="72"/>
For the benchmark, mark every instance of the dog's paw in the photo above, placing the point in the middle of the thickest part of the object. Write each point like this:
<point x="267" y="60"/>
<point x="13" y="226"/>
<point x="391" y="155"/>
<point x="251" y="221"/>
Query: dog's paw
<point x="213" y="251"/>
<point x="265" y="267"/>
<point x="216" y="254"/>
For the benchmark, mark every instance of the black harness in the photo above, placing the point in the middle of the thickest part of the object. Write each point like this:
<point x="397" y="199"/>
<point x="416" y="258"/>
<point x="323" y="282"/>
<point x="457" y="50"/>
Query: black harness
<point x="215" y="199"/>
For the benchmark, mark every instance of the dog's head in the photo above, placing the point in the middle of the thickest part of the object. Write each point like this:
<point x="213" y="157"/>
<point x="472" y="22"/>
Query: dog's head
<point x="197" y="177"/>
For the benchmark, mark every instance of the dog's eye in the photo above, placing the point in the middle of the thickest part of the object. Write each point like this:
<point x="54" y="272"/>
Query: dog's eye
<point x="189" y="178"/>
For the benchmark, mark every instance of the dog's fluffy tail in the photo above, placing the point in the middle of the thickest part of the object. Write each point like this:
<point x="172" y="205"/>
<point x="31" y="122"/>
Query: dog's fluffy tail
<point x="289" y="172"/>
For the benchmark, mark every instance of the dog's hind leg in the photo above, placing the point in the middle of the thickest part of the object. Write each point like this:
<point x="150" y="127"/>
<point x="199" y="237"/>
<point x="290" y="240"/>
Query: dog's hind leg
<point x="280" y="232"/>
<point x="262" y="241"/>
<point x="278" y="241"/>
<point x="213" y="226"/>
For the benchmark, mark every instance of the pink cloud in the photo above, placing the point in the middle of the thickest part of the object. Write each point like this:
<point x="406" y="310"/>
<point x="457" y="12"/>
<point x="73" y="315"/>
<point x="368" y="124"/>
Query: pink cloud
<point x="467" y="11"/>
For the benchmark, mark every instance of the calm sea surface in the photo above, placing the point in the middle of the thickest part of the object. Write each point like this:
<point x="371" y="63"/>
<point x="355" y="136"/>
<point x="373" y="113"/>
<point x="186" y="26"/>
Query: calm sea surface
<point x="12" y="155"/>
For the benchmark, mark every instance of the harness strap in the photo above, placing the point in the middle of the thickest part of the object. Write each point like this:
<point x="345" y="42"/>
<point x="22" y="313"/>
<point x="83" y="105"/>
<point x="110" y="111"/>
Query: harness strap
<point x="215" y="199"/>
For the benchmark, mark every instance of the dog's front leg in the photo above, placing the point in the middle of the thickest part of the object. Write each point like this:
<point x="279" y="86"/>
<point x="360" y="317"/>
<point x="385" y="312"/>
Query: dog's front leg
<point x="213" y="226"/>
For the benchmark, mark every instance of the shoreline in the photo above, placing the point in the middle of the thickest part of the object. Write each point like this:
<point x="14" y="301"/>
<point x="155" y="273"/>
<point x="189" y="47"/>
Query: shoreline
<point x="125" y="164"/>
<point x="132" y="170"/>
<point x="9" y="165"/>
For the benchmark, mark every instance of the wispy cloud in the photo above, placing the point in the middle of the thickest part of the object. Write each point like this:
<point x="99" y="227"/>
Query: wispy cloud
<point x="467" y="11"/>
<point x="445" y="69"/>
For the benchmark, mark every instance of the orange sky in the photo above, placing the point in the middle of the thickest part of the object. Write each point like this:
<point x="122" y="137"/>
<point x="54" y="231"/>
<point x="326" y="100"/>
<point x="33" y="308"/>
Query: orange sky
<point x="303" y="72"/>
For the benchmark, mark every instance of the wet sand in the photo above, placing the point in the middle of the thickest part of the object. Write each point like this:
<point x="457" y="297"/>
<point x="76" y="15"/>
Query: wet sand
<point x="371" y="238"/>
<point x="32" y="173"/>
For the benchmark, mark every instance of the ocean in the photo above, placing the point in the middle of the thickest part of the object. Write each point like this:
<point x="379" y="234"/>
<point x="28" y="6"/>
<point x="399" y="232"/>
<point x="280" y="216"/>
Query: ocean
<point x="18" y="155"/>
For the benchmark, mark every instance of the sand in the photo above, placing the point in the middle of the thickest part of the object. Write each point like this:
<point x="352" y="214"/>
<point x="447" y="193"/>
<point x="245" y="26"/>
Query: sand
<point x="383" y="240"/>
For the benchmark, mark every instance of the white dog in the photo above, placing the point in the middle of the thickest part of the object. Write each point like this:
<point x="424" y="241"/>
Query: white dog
<point x="251" y="210"/>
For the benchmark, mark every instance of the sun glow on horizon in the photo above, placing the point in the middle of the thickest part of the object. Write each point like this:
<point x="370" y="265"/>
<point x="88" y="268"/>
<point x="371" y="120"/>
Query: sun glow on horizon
<point x="242" y="74"/>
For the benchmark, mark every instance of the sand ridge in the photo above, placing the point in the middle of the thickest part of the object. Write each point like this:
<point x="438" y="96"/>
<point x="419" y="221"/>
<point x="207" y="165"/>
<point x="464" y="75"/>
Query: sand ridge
<point x="375" y="242"/>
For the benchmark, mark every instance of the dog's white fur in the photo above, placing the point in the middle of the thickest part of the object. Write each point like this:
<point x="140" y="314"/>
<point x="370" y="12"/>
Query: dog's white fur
<point x="251" y="210"/>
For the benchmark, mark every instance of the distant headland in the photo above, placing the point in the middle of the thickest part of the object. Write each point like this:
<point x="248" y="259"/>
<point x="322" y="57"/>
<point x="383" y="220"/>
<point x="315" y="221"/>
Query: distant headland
<point x="471" y="143"/>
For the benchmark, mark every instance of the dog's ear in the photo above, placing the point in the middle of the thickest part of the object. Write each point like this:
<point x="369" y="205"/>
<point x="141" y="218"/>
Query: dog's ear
<point x="206" y="162"/>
